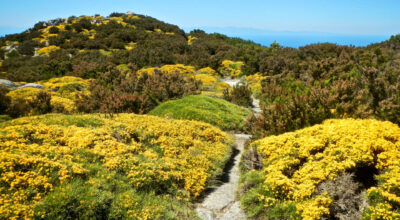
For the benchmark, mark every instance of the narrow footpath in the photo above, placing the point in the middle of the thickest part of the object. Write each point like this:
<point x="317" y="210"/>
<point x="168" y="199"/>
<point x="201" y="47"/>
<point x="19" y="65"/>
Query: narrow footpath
<point x="221" y="203"/>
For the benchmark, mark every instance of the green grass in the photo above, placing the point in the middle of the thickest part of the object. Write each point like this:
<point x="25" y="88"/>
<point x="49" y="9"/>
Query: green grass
<point x="218" y="112"/>
<point x="4" y="118"/>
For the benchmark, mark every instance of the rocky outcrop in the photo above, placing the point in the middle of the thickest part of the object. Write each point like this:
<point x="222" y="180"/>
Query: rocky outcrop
<point x="7" y="83"/>
<point x="12" y="86"/>
<point x="31" y="85"/>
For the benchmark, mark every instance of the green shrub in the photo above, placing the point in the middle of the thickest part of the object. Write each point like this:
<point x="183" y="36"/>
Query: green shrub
<point x="5" y="101"/>
<point x="4" y="118"/>
<point x="240" y="95"/>
<point x="215" y="111"/>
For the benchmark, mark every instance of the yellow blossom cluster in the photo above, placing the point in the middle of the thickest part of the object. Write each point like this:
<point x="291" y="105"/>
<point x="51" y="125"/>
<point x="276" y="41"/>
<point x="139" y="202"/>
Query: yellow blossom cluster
<point x="39" y="153"/>
<point x="63" y="91"/>
<point x="98" y="20"/>
<point x="254" y="81"/>
<point x="297" y="162"/>
<point x="222" y="86"/>
<point x="205" y="79"/>
<point x="231" y="68"/>
<point x="130" y="46"/>
<point x="24" y="93"/>
<point x="157" y="30"/>
<point x="188" y="71"/>
<point x="216" y="90"/>
<point x="209" y="71"/>
<point x="47" y="50"/>
<point x="191" y="39"/>
<point x="46" y="35"/>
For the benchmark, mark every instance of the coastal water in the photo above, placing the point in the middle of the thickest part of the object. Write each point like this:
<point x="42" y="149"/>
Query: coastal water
<point x="302" y="40"/>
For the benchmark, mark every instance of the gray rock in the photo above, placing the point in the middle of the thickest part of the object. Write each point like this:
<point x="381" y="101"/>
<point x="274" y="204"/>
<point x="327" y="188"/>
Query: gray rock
<point x="7" y="83"/>
<point x="256" y="106"/>
<point x="31" y="85"/>
<point x="231" y="82"/>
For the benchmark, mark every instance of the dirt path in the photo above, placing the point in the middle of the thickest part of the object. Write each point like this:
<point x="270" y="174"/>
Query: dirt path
<point x="221" y="203"/>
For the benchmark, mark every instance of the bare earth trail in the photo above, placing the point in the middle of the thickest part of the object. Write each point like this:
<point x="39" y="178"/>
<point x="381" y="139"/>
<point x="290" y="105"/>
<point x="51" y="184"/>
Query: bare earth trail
<point x="221" y="202"/>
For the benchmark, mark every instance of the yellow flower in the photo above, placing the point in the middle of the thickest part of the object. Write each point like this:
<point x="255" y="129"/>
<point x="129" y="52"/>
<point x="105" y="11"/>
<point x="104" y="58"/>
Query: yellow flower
<point x="297" y="162"/>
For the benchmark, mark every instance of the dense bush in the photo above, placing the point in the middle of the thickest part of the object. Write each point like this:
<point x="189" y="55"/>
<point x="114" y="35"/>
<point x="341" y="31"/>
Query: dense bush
<point x="40" y="104"/>
<point x="116" y="91"/>
<point x="240" y="94"/>
<point x="73" y="48"/>
<point x="292" y="174"/>
<point x="19" y="107"/>
<point x="4" y="100"/>
<point x="324" y="81"/>
<point x="58" y="95"/>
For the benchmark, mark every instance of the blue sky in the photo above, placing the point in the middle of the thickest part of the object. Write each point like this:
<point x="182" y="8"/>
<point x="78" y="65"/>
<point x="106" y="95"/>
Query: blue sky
<point x="345" y="17"/>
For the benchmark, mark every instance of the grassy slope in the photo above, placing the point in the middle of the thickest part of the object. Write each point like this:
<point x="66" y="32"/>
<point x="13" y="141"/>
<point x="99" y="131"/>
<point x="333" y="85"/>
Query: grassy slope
<point x="218" y="112"/>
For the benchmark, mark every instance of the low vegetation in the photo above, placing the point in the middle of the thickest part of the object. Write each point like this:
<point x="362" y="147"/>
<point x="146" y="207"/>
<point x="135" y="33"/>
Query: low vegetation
<point x="300" y="175"/>
<point x="218" y="112"/>
<point x="93" y="160"/>
<point x="117" y="91"/>
<point x="59" y="94"/>
<point x="316" y="82"/>
<point x="87" y="166"/>
<point x="240" y="94"/>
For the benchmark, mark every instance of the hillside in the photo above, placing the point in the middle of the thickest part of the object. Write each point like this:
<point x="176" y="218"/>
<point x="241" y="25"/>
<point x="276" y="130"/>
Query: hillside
<point x="75" y="140"/>
<point x="83" y="46"/>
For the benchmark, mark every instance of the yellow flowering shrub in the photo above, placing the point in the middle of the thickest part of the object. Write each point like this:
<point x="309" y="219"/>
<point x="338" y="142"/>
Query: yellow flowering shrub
<point x="191" y="39"/>
<point x="63" y="92"/>
<point x="130" y="46"/>
<point x="231" y="68"/>
<point x="205" y="79"/>
<point x="160" y="158"/>
<point x="179" y="68"/>
<point x="47" y="50"/>
<point x="63" y="104"/>
<point x="254" y="81"/>
<point x="222" y="86"/>
<point x="25" y="93"/>
<point x="169" y="69"/>
<point x="65" y="80"/>
<point x="148" y="71"/>
<point x="209" y="71"/>
<point x="295" y="163"/>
